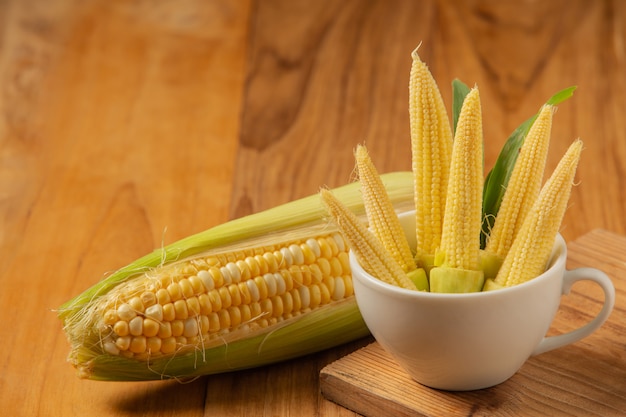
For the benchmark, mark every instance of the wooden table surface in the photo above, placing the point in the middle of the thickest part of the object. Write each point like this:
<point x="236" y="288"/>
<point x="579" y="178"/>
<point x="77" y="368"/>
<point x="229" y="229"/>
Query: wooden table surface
<point x="129" y="124"/>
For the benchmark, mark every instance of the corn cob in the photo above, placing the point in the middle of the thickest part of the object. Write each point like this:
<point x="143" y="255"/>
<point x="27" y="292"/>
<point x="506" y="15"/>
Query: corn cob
<point x="383" y="220"/>
<point x="368" y="250"/>
<point x="457" y="267"/>
<point x="531" y="249"/>
<point x="253" y="291"/>
<point x="431" y="146"/>
<point x="522" y="191"/>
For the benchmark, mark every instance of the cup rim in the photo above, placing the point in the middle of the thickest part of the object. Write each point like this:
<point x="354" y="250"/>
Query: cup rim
<point x="557" y="260"/>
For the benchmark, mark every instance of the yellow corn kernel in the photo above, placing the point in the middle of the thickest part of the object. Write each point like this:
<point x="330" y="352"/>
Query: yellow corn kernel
<point x="204" y="325"/>
<point x="163" y="296"/>
<point x="148" y="298"/>
<point x="235" y="294"/>
<point x="277" y="306"/>
<point x="186" y="288"/>
<point x="337" y="288"/>
<point x="316" y="273"/>
<point x="216" y="300"/>
<point x="308" y="254"/>
<point x="175" y="291"/>
<point x="457" y="266"/>
<point x="216" y="276"/>
<point x="168" y="345"/>
<point x="196" y="284"/>
<point x="367" y="248"/>
<point x="325" y="294"/>
<point x="296" y="299"/>
<point x="225" y="297"/>
<point x="214" y="322"/>
<point x="155" y="312"/>
<point x="329" y="283"/>
<point x="347" y="283"/>
<point x="263" y="265"/>
<point x="523" y="186"/>
<point x="324" y="266"/>
<point x="244" y="291"/>
<point x="111" y="317"/>
<point x="270" y="282"/>
<point x="315" y="295"/>
<point x="235" y="316"/>
<point x="532" y="247"/>
<point x="165" y="330"/>
<point x="261" y="285"/>
<point x="381" y="215"/>
<point x="124" y="312"/>
<point x="287" y="301"/>
<point x="431" y="146"/>
<point x="138" y="344"/>
<point x="121" y="328"/>
<point x="177" y="327"/>
<point x="190" y="327"/>
<point x="136" y="304"/>
<point x="150" y="328"/>
<point x="123" y="343"/>
<point x="180" y="308"/>
<point x="244" y="270"/>
<point x="169" y="313"/>
<point x="153" y="344"/>
<point x="193" y="306"/>
<point x="135" y="326"/>
<point x="296" y="254"/>
<point x="205" y="304"/>
<point x="326" y="250"/>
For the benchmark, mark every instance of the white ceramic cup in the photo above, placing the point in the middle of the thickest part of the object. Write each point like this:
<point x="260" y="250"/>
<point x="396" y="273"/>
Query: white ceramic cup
<point x="471" y="341"/>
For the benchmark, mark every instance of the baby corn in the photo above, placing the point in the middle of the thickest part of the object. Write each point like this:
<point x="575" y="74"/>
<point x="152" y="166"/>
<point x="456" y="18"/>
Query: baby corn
<point x="457" y="267"/>
<point x="368" y="250"/>
<point x="431" y="146"/>
<point x="521" y="193"/>
<point x="383" y="220"/>
<point x="531" y="249"/>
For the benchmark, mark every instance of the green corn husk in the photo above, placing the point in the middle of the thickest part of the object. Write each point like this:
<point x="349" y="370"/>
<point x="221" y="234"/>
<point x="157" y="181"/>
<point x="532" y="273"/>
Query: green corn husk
<point x="330" y="325"/>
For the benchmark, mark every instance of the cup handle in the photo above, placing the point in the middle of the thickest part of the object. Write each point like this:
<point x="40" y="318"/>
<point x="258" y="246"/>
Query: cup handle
<point x="570" y="277"/>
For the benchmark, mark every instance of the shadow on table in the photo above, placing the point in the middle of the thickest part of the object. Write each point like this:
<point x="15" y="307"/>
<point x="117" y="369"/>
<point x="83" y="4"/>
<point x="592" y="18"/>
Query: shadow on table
<point x="293" y="384"/>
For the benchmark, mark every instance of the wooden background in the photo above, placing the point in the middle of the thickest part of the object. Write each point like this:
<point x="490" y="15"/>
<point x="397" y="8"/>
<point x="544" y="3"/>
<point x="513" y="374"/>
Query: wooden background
<point x="128" y="124"/>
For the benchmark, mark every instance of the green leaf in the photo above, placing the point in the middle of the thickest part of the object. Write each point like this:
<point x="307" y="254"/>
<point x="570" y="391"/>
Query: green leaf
<point x="459" y="91"/>
<point x="498" y="178"/>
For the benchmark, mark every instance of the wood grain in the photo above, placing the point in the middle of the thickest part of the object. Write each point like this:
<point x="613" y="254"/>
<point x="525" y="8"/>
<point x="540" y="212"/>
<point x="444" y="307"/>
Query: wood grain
<point x="585" y="378"/>
<point x="126" y="125"/>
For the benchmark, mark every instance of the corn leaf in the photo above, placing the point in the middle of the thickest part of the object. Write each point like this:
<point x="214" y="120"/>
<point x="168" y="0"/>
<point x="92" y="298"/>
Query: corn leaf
<point x="459" y="91"/>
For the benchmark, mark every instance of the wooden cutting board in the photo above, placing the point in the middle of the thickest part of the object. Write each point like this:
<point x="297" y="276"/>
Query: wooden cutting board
<point x="586" y="378"/>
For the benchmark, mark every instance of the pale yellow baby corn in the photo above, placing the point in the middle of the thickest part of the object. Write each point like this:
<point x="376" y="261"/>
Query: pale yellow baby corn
<point x="523" y="186"/>
<point x="431" y="145"/>
<point x="531" y="249"/>
<point x="368" y="250"/>
<point x="383" y="219"/>
<point x="381" y="215"/>
<point x="457" y="267"/>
